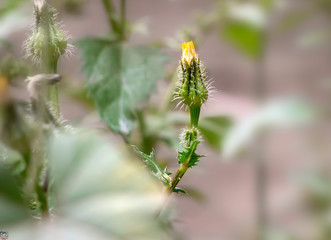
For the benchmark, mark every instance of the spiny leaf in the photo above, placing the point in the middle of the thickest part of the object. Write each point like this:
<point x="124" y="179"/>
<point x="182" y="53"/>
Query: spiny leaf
<point x="120" y="79"/>
<point x="189" y="155"/>
<point x="152" y="164"/>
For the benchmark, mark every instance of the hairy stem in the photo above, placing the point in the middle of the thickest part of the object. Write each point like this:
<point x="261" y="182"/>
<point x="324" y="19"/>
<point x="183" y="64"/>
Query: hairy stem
<point x="53" y="91"/>
<point x="51" y="96"/>
<point x="195" y="113"/>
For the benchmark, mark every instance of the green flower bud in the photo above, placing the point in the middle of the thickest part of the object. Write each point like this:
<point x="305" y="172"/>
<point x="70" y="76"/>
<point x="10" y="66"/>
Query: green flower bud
<point x="188" y="136"/>
<point x="192" y="89"/>
<point x="47" y="42"/>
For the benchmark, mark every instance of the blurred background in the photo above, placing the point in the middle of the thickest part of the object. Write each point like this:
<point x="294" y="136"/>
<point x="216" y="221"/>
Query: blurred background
<point x="270" y="63"/>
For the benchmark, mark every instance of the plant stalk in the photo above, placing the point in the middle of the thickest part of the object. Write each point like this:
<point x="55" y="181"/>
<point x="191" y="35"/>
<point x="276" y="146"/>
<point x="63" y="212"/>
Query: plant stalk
<point x="53" y="91"/>
<point x="146" y="141"/>
<point x="195" y="114"/>
<point x="42" y="187"/>
<point x="179" y="175"/>
<point x="111" y="14"/>
<point x="123" y="21"/>
<point x="261" y="174"/>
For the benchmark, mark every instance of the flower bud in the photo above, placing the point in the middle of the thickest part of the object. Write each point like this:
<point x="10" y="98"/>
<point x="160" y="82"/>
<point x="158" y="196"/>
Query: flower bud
<point x="47" y="42"/>
<point x="189" y="135"/>
<point x="192" y="89"/>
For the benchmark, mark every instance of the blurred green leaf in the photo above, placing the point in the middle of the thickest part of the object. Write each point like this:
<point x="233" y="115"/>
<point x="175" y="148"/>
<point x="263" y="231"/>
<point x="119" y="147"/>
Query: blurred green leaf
<point x="244" y="36"/>
<point x="95" y="192"/>
<point x="278" y="234"/>
<point x="6" y="44"/>
<point x="9" y="5"/>
<point x="12" y="206"/>
<point x="120" y="79"/>
<point x="243" y="24"/>
<point x="213" y="129"/>
<point x="13" y="68"/>
<point x="98" y="188"/>
<point x="275" y="114"/>
<point x="12" y="159"/>
<point x="14" y="16"/>
<point x="317" y="191"/>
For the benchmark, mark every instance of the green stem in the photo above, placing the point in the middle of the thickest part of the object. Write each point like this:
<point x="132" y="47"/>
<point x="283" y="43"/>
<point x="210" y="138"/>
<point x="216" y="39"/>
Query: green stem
<point x="179" y="175"/>
<point x="111" y="14"/>
<point x="123" y="21"/>
<point x="146" y="142"/>
<point x="195" y="115"/>
<point x="261" y="173"/>
<point x="53" y="91"/>
<point x="51" y="95"/>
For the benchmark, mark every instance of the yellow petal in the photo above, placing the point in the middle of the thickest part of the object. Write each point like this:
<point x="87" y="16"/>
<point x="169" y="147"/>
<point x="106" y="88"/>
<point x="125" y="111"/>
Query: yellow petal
<point x="188" y="51"/>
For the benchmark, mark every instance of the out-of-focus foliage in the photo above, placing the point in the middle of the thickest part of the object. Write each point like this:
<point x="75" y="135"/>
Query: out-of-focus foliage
<point x="95" y="191"/>
<point x="214" y="129"/>
<point x="318" y="192"/>
<point x="12" y="205"/>
<point x="271" y="116"/>
<point x="243" y="25"/>
<point x="14" y="15"/>
<point x="12" y="159"/>
<point x="12" y="68"/>
<point x="316" y="187"/>
<point x="120" y="79"/>
<point x="9" y="5"/>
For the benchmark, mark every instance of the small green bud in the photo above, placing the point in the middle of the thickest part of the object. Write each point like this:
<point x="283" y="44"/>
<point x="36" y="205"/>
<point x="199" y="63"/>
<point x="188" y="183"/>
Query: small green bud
<point x="47" y="41"/>
<point x="191" y="88"/>
<point x="189" y="135"/>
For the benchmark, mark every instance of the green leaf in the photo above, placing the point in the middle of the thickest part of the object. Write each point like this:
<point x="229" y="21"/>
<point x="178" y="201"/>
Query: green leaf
<point x="12" y="159"/>
<point x="153" y="165"/>
<point x="15" y="15"/>
<point x="13" y="68"/>
<point x="120" y="79"/>
<point x="100" y="189"/>
<point x="243" y="24"/>
<point x="95" y="191"/>
<point x="188" y="154"/>
<point x="10" y="5"/>
<point x="214" y="129"/>
<point x="245" y="37"/>
<point x="273" y="115"/>
<point x="12" y="206"/>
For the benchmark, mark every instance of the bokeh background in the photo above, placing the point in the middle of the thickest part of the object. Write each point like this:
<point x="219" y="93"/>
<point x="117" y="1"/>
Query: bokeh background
<point x="223" y="201"/>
